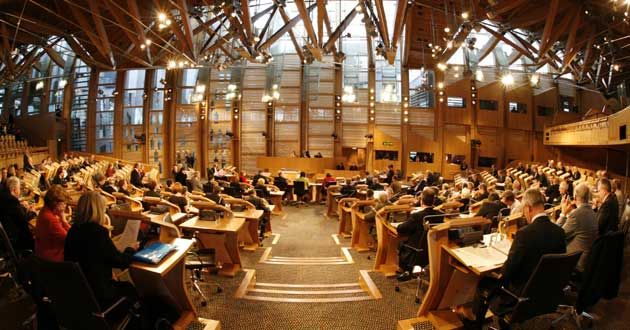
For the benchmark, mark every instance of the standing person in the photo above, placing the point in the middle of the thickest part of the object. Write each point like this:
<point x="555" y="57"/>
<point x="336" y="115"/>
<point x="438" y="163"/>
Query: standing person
<point x="51" y="226"/>
<point x="621" y="199"/>
<point x="136" y="175"/>
<point x="390" y="174"/>
<point x="608" y="208"/>
<point x="533" y="241"/>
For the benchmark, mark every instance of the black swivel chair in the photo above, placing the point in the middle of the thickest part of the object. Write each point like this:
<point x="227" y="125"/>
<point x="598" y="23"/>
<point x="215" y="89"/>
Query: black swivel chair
<point x="544" y="290"/>
<point x="72" y="299"/>
<point x="300" y="190"/>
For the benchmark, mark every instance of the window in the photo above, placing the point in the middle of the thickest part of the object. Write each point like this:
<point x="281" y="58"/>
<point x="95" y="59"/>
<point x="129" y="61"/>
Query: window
<point x="35" y="96"/>
<point x="488" y="105"/>
<point x="57" y="84"/>
<point x="187" y="86"/>
<point x="544" y="111"/>
<point x="455" y="102"/>
<point x="517" y="107"/>
<point x="567" y="104"/>
<point x="105" y="112"/>
<point x="156" y="120"/>
<point x="386" y="154"/>
<point x="455" y="159"/>
<point x="486" y="161"/>
<point x="421" y="157"/>
<point x="15" y="101"/>
<point x="421" y="88"/>
<point x="133" y="115"/>
<point x="78" y="110"/>
<point x="2" y="91"/>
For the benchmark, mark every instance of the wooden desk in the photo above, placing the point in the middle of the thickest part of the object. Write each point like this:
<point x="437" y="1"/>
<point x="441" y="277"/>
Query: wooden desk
<point x="222" y="235"/>
<point x="316" y="191"/>
<point x="166" y="280"/>
<point x="362" y="241"/>
<point x="344" y="210"/>
<point x="248" y="235"/>
<point x="331" y="204"/>
<point x="276" y="199"/>
<point x="386" y="260"/>
<point x="452" y="283"/>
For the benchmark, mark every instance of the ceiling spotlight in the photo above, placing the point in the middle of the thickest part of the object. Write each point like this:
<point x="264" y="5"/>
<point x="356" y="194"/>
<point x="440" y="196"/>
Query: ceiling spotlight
<point x="534" y="80"/>
<point x="256" y="39"/>
<point x="440" y="85"/>
<point x="161" y="17"/>
<point x="148" y="42"/>
<point x="143" y="46"/>
<point x="358" y="8"/>
<point x="507" y="79"/>
<point x="441" y="66"/>
<point x="447" y="29"/>
<point x="465" y="15"/>
<point x="479" y="75"/>
<point x="616" y="67"/>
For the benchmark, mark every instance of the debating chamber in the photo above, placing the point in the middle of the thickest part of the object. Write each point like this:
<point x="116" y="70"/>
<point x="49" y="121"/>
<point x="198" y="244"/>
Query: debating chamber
<point x="314" y="164"/>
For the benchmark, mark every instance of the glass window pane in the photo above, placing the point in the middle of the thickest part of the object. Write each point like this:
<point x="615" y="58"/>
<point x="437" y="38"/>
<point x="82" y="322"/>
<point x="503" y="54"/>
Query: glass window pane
<point x="107" y="77"/>
<point x="157" y="103"/>
<point x="133" y="98"/>
<point x="134" y="79"/>
<point x="133" y="116"/>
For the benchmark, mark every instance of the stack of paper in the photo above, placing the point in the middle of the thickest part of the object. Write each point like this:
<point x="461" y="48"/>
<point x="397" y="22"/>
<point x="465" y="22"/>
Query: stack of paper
<point x="129" y="237"/>
<point x="480" y="257"/>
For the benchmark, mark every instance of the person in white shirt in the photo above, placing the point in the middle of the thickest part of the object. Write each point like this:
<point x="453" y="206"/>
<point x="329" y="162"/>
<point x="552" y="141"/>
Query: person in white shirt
<point x="508" y="198"/>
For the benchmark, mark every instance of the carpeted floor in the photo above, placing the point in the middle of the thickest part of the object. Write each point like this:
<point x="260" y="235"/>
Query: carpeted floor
<point x="305" y="232"/>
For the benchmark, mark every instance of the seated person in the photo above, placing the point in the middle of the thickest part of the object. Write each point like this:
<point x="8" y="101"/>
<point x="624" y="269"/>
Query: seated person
<point x="579" y="223"/>
<point x="259" y="176"/>
<point x="61" y="177"/>
<point x="490" y="207"/>
<point x="531" y="242"/>
<point x="152" y="189"/>
<point x="178" y="198"/>
<point x="375" y="185"/>
<point x="413" y="229"/>
<point x="242" y="177"/>
<point x="260" y="204"/>
<point x="481" y="193"/>
<point x="15" y="216"/>
<point x="261" y="188"/>
<point x="318" y="155"/>
<point x="304" y="179"/>
<point x="329" y="180"/>
<point x="195" y="182"/>
<point x="354" y="167"/>
<point x="88" y="243"/>
<point x="212" y="192"/>
<point x="180" y="176"/>
<point x="381" y="202"/>
<point x="347" y="190"/>
<point x="110" y="171"/>
<point x="394" y="190"/>
<point x="122" y="187"/>
<point x="515" y="206"/>
<point x="51" y="228"/>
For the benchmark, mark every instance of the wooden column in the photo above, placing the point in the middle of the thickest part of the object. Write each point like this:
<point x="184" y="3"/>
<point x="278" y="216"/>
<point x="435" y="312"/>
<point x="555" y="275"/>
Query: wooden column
<point x="439" y="117"/>
<point x="369" y="150"/>
<point x="338" y="112"/>
<point x="304" y="107"/>
<point x="169" y="120"/>
<point x="118" y="114"/>
<point x="149" y="76"/>
<point x="91" y="111"/>
<point x="404" y="120"/>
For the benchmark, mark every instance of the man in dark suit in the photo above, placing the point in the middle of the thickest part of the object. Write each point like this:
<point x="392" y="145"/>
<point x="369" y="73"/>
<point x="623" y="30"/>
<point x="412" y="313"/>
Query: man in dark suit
<point x="390" y="174"/>
<point x="413" y="229"/>
<point x="259" y="175"/>
<point x="490" y="208"/>
<point x="608" y="210"/>
<point x="15" y="216"/>
<point x="136" y="176"/>
<point x="539" y="237"/>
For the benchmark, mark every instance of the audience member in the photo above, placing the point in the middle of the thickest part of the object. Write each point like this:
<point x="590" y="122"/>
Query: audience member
<point x="178" y="198"/>
<point x="16" y="215"/>
<point x="607" y="208"/>
<point x="51" y="226"/>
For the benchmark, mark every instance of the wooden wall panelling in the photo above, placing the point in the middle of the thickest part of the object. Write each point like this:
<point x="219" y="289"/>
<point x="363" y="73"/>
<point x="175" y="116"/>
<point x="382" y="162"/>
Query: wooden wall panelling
<point x="548" y="99"/>
<point x="521" y="94"/>
<point x="456" y="141"/>
<point x="421" y="139"/>
<point x="459" y="88"/>
<point x="518" y="145"/>
<point x="386" y="141"/>
<point x="492" y="92"/>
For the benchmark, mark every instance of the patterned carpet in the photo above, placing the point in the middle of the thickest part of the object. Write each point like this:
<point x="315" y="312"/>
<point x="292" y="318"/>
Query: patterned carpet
<point x="305" y="232"/>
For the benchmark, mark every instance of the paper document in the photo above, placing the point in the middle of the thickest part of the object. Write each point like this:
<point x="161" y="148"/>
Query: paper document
<point x="129" y="236"/>
<point x="480" y="257"/>
<point x="502" y="246"/>
<point x="395" y="224"/>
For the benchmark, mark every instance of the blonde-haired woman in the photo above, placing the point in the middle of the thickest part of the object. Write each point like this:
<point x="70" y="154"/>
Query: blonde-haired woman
<point x="88" y="243"/>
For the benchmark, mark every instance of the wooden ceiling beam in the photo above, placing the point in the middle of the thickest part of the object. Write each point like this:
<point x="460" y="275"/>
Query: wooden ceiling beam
<point x="247" y="21"/>
<point x="287" y="22"/>
<point x="487" y="48"/>
<point x="321" y="12"/>
<point x="134" y="12"/>
<point x="313" y="45"/>
<point x="262" y="13"/>
<point x="506" y="6"/>
<point x="545" y="39"/>
<point x="501" y="37"/>
<point x="339" y="30"/>
<point x="6" y="48"/>
<point x="570" y="48"/>
<point x="382" y="22"/>
<point x="588" y="54"/>
<point x="87" y="30"/>
<point x="203" y="26"/>
<point x="120" y="19"/>
<point x="262" y="33"/>
<point x="284" y="29"/>
<point x="399" y="23"/>
<point x="182" y="6"/>
<point x="55" y="56"/>
<point x="100" y="30"/>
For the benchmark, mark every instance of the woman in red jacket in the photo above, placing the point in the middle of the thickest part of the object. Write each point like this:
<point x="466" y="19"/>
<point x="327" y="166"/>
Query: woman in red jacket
<point x="52" y="227"/>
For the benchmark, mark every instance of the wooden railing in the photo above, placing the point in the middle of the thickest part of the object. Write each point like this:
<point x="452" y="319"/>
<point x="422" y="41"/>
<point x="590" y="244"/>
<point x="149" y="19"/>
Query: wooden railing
<point x="609" y="130"/>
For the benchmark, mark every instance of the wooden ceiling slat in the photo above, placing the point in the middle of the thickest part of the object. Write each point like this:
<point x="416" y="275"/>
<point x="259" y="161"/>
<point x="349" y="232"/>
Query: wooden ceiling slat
<point x="339" y="30"/>
<point x="100" y="30"/>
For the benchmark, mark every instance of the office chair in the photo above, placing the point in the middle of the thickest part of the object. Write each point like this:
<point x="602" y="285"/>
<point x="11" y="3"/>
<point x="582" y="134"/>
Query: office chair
<point x="300" y="190"/>
<point x="72" y="300"/>
<point x="543" y="292"/>
<point x="9" y="258"/>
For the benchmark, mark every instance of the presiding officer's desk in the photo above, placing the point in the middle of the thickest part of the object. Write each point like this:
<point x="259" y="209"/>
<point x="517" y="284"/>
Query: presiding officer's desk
<point x="221" y="235"/>
<point x="453" y="283"/>
<point x="362" y="241"/>
<point x="345" y="216"/>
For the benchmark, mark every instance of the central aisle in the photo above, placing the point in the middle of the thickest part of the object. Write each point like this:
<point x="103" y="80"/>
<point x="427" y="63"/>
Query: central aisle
<point x="306" y="258"/>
